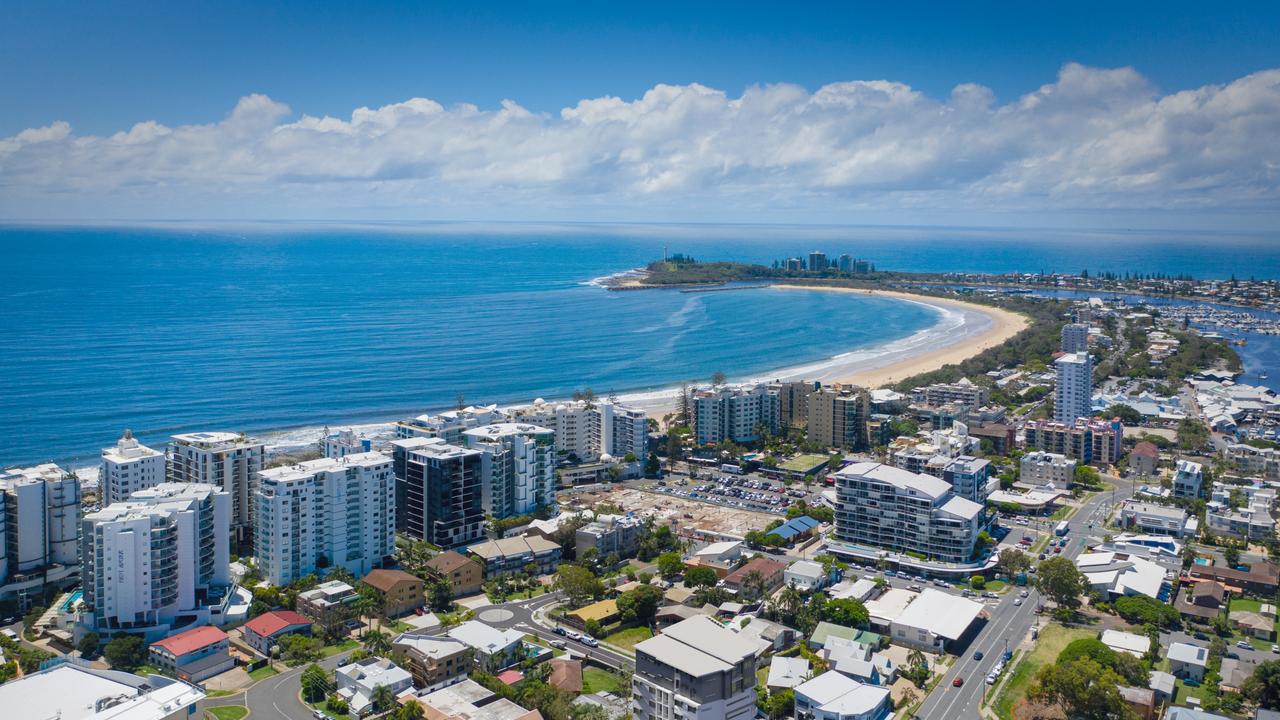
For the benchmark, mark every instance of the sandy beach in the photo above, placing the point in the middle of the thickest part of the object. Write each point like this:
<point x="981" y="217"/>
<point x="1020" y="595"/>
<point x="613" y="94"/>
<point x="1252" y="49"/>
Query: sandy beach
<point x="1004" y="325"/>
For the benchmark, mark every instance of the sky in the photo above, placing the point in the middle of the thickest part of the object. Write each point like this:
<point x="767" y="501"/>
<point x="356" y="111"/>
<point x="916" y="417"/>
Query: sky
<point x="1112" y="114"/>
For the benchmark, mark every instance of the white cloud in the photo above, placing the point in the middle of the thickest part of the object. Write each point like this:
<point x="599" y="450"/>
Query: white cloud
<point x="1092" y="139"/>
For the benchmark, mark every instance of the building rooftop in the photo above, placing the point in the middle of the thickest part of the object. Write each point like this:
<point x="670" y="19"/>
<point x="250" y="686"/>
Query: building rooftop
<point x="1136" y="645"/>
<point x="71" y="692"/>
<point x="193" y="639"/>
<point x="270" y="623"/>
<point x="698" y="646"/>
<point x="513" y="547"/>
<point x="1188" y="653"/>
<point x="940" y="613"/>
<point x="485" y="638"/>
<point x="839" y="694"/>
<point x="385" y="579"/>
<point x="432" y="646"/>
<point x="925" y="485"/>
<point x="448" y="561"/>
<point x="309" y="468"/>
<point x="787" y="672"/>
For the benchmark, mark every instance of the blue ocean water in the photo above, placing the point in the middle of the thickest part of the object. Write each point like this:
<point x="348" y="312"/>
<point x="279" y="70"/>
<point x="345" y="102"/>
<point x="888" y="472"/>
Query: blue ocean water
<point x="169" y="329"/>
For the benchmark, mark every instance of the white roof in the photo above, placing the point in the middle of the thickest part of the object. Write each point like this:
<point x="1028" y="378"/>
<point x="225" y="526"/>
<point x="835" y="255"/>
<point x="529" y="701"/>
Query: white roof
<point x="431" y="645"/>
<point x="926" y="485"/>
<point x="806" y="569"/>
<point x="70" y="692"/>
<point x="940" y="613"/>
<point x="858" y="590"/>
<point x="842" y="695"/>
<point x="485" y="638"/>
<point x="1188" y="653"/>
<point x="369" y="675"/>
<point x="1136" y="645"/>
<point x="889" y="606"/>
<point x="719" y="548"/>
<point x="787" y="672"/>
<point x="698" y="646"/>
<point x="962" y="507"/>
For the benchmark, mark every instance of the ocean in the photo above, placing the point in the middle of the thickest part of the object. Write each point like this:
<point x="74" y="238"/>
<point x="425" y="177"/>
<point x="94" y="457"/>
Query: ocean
<point x="176" y="328"/>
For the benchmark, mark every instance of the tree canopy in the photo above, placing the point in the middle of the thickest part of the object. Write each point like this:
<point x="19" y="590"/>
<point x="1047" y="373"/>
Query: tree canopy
<point x="1061" y="582"/>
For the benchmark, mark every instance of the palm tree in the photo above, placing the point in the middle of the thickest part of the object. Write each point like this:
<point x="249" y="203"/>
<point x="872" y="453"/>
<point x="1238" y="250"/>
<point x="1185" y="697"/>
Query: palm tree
<point x="378" y="643"/>
<point x="410" y="711"/>
<point x="754" y="584"/>
<point x="383" y="698"/>
<point x="365" y="607"/>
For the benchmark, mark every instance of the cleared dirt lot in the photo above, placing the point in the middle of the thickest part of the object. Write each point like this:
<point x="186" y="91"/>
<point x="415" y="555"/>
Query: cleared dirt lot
<point x="684" y="514"/>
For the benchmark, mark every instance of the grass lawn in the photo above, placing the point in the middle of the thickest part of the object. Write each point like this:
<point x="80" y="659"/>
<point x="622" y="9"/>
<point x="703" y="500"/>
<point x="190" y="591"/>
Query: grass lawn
<point x="1063" y="512"/>
<point x="1053" y="638"/>
<point x="228" y="712"/>
<point x="341" y="647"/>
<point x="1182" y="691"/>
<point x="803" y="463"/>
<point x="1244" y="604"/>
<point x="629" y="638"/>
<point x="596" y="680"/>
<point x="219" y="693"/>
<point x="263" y="673"/>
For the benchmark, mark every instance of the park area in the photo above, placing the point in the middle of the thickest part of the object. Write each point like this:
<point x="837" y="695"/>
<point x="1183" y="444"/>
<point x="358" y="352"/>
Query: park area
<point x="1013" y="691"/>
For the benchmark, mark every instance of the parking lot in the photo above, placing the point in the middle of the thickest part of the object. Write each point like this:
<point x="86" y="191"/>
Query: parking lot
<point x="749" y="492"/>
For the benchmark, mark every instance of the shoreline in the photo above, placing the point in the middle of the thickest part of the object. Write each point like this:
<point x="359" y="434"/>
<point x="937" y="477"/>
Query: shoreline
<point x="963" y="329"/>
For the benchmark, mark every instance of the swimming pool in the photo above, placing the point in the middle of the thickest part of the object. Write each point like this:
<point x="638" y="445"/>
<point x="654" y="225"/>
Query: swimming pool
<point x="71" y="601"/>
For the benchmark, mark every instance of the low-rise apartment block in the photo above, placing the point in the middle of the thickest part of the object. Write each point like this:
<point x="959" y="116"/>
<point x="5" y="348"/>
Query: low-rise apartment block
<point x="963" y="392"/>
<point x="464" y="575"/>
<point x="509" y="556"/>
<point x="1156" y="519"/>
<point x="1045" y="468"/>
<point x="194" y="655"/>
<point x="1090" y="441"/>
<point x="435" y="661"/>
<point x="1188" y="479"/>
<point x="401" y="592"/>
<point x="610" y="535"/>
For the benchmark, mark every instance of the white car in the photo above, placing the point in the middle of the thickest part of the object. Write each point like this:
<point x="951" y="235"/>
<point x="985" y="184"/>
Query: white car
<point x="1017" y="601"/>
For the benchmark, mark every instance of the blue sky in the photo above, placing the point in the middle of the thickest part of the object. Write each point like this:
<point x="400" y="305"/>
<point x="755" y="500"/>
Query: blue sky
<point x="103" y="68"/>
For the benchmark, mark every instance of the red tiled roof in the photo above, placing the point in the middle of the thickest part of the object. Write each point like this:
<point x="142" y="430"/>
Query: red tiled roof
<point x="385" y="579"/>
<point x="511" y="677"/>
<point x="763" y="565"/>
<point x="1145" y="448"/>
<point x="270" y="623"/>
<point x="193" y="639"/>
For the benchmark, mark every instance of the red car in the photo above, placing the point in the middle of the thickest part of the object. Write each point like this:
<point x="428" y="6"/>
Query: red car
<point x="958" y="681"/>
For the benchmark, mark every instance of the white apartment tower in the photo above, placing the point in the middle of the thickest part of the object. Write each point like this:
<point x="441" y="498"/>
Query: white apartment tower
<point x="157" y="560"/>
<point x="589" y="430"/>
<point x="127" y="467"/>
<point x="519" y="467"/>
<point x="734" y="413"/>
<point x="225" y="459"/>
<point x="1073" y="395"/>
<point x="331" y="512"/>
<point x="623" y="430"/>
<point x="1075" y="338"/>
<point x="39" y="524"/>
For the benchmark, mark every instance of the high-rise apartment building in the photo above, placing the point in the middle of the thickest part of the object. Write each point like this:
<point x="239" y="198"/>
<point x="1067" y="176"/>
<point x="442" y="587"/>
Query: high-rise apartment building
<point x="886" y="507"/>
<point x="228" y="460"/>
<point x="696" y="669"/>
<point x="587" y="430"/>
<point x="1091" y="441"/>
<point x="157" y="559"/>
<point x="838" y="417"/>
<point x="127" y="467"/>
<point x="439" y="491"/>
<point x="793" y="401"/>
<point x="39" y="525"/>
<point x="520" y="467"/>
<point x="734" y="413"/>
<point x="331" y="512"/>
<point x="818" y="261"/>
<point x="968" y="477"/>
<point x="1073" y="395"/>
<point x="1075" y="338"/>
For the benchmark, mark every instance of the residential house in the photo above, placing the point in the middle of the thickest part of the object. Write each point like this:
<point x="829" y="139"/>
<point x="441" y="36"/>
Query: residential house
<point x="1144" y="458"/>
<point x="494" y="649"/>
<point x="1141" y="701"/>
<point x="806" y="576"/>
<point x="787" y="672"/>
<point x="566" y="675"/>
<point x="833" y="696"/>
<point x="1253" y="624"/>
<point x="935" y="619"/>
<point x="1187" y="661"/>
<point x="265" y="631"/>
<point x="70" y="691"/>
<point x="756" y="575"/>
<point x="356" y="682"/>
<point x="1202" y="601"/>
<point x="194" y="655"/>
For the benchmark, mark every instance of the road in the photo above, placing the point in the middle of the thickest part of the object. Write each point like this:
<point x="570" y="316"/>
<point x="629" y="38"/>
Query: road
<point x="1009" y="624"/>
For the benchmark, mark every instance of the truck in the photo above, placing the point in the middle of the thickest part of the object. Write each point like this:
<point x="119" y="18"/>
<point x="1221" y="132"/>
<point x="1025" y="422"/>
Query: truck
<point x="1062" y="529"/>
<point x="731" y="469"/>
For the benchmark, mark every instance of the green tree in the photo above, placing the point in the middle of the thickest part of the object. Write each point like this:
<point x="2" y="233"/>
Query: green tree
<point x="977" y="582"/>
<point x="579" y="584"/>
<point x="1126" y="413"/>
<point x="670" y="564"/>
<point x="378" y="642"/>
<point x="1061" y="582"/>
<point x="1083" y="689"/>
<point x="383" y="698"/>
<point x="1192" y="434"/>
<point x="1013" y="562"/>
<point x="847" y="612"/>
<point x="439" y="595"/>
<point x="638" y="606"/>
<point x="298" y="649"/>
<point x="1231" y="554"/>
<point x="315" y="683"/>
<point x="126" y="652"/>
<point x="652" y="466"/>
<point x="410" y="711"/>
<point x="700" y="576"/>
<point x="88" y="645"/>
<point x="1263" y="686"/>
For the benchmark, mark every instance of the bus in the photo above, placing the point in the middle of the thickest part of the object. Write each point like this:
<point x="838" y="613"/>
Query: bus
<point x="1061" y="530"/>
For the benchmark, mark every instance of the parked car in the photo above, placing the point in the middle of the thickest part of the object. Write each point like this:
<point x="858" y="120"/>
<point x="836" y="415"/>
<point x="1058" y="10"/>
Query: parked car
<point x="558" y="644"/>
<point x="558" y="630"/>
<point x="590" y="641"/>
<point x="1244" y="645"/>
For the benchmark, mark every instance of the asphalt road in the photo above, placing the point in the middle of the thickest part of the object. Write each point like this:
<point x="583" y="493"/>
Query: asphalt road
<point x="1009" y="623"/>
